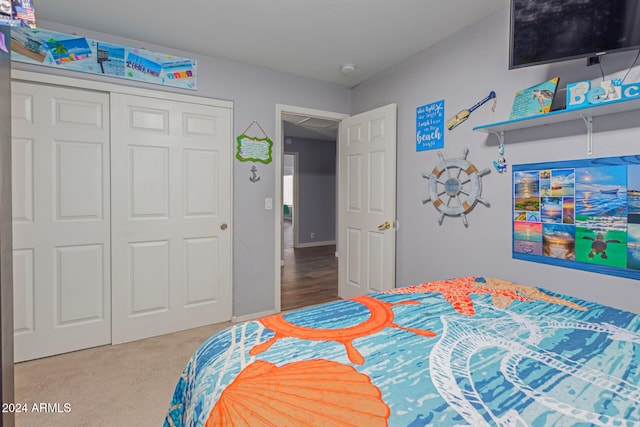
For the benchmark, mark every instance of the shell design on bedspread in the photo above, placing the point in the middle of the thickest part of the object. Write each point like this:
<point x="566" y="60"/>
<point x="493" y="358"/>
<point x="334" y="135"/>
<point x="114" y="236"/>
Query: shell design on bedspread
<point x="308" y="393"/>
<point x="540" y="359"/>
<point x="458" y="293"/>
<point x="381" y="317"/>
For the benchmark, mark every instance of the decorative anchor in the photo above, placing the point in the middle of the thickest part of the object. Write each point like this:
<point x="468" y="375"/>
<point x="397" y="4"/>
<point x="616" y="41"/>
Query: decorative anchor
<point x="254" y="174"/>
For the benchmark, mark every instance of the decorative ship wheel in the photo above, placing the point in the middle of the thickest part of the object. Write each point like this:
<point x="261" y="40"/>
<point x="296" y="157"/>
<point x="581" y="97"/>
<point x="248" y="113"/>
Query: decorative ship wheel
<point x="455" y="186"/>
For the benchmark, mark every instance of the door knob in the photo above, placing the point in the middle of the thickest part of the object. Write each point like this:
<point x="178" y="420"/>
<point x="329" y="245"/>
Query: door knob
<point x="385" y="226"/>
<point x="223" y="226"/>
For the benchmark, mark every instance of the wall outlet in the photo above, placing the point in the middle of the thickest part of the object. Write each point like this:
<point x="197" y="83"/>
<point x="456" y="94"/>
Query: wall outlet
<point x="312" y="235"/>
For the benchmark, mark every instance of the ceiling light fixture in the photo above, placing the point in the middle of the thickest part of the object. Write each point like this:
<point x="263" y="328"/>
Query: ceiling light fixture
<point x="348" y="68"/>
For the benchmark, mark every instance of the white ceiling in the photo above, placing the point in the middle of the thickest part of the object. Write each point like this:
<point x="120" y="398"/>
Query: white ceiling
<point x="310" y="38"/>
<point x="297" y="126"/>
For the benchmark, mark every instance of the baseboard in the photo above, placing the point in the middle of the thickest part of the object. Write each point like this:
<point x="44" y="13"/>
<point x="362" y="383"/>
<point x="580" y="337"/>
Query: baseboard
<point x="312" y="244"/>
<point x="252" y="316"/>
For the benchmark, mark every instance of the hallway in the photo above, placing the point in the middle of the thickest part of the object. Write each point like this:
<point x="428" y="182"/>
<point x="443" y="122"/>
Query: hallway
<point x="309" y="275"/>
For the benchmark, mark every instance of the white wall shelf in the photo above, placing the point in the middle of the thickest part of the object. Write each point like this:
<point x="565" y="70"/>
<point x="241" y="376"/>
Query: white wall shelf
<point x="594" y="110"/>
<point x="582" y="113"/>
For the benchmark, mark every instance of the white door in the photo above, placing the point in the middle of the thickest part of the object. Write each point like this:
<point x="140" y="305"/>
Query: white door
<point x="61" y="219"/>
<point x="367" y="202"/>
<point x="171" y="213"/>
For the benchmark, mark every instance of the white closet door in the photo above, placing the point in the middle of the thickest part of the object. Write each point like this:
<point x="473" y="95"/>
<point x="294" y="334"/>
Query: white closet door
<point x="171" y="208"/>
<point x="61" y="219"/>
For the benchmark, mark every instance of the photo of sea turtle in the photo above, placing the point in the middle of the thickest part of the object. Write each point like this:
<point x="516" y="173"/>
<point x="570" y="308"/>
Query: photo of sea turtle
<point x="602" y="246"/>
<point x="543" y="96"/>
<point x="599" y="245"/>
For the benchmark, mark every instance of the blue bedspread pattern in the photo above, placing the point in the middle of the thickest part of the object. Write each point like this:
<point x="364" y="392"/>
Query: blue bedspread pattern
<point x="470" y="351"/>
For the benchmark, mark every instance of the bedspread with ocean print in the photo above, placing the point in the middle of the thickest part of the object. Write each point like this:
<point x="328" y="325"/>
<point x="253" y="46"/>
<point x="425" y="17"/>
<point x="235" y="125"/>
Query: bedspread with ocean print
<point x="470" y="351"/>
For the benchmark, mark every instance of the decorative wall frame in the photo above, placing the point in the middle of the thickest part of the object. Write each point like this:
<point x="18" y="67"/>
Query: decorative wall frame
<point x="534" y="100"/>
<point x="254" y="149"/>
<point x="430" y="126"/>
<point x="70" y="52"/>
<point x="582" y="214"/>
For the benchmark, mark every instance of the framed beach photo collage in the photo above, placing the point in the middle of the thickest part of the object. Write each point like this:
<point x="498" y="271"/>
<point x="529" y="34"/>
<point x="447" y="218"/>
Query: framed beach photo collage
<point x="581" y="214"/>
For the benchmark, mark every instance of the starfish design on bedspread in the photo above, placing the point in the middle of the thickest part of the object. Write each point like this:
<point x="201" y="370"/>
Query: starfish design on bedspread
<point x="532" y="292"/>
<point x="458" y="293"/>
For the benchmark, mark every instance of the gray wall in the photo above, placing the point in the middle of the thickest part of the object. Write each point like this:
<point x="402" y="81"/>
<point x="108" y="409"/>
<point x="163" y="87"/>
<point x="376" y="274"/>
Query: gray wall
<point x="6" y="248"/>
<point x="462" y="70"/>
<point x="255" y="92"/>
<point x="316" y="188"/>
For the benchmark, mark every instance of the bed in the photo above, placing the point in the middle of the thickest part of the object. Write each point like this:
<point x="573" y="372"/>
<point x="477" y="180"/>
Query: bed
<point x="470" y="351"/>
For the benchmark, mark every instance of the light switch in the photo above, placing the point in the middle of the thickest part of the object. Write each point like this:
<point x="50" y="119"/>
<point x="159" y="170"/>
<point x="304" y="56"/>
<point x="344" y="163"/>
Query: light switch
<point x="268" y="203"/>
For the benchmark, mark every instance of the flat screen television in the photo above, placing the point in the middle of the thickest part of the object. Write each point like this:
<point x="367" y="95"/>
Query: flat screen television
<point x="545" y="31"/>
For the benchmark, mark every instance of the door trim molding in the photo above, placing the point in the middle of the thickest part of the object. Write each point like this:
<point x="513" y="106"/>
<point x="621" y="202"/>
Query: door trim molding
<point x="296" y="201"/>
<point x="278" y="159"/>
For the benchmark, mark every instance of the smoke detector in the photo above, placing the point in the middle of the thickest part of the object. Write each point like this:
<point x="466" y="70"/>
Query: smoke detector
<point x="348" y="68"/>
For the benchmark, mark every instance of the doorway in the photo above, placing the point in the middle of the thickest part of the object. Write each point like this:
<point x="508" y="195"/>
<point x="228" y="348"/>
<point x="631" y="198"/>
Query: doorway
<point x="306" y="223"/>
<point x="366" y="220"/>
<point x="309" y="266"/>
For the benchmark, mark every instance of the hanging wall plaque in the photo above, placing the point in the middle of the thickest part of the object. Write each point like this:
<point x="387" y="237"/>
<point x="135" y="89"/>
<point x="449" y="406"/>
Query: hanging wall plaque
<point x="254" y="149"/>
<point x="430" y="126"/>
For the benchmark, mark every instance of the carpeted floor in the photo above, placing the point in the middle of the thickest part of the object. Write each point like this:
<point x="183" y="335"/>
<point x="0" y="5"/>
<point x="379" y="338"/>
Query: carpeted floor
<point x="124" y="385"/>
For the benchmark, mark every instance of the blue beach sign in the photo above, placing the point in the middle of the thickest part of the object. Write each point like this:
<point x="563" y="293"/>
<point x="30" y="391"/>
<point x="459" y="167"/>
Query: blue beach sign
<point x="430" y="126"/>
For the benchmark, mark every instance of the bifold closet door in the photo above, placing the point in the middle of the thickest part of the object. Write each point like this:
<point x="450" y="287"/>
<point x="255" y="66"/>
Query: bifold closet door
<point x="61" y="219"/>
<point x="171" y="213"/>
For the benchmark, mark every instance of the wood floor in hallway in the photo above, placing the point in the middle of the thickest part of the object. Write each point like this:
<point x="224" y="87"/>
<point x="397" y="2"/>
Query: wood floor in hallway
<point x="309" y="275"/>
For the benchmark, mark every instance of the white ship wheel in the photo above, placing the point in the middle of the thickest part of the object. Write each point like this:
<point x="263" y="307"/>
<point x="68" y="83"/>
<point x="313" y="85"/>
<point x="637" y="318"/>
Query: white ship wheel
<point x="455" y="186"/>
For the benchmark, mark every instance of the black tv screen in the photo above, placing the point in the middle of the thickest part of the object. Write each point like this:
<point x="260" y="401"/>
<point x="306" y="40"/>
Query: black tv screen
<point x="544" y="31"/>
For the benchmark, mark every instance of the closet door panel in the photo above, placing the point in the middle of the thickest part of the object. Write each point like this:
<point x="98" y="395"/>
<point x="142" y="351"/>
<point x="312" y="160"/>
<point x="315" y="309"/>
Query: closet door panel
<point x="61" y="219"/>
<point x="171" y="209"/>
